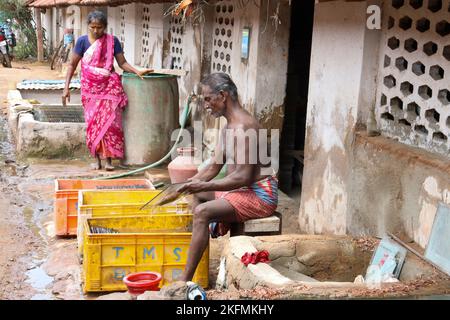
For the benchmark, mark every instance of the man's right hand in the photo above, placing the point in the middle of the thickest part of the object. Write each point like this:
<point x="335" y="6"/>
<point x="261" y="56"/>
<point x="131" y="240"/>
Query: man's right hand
<point x="194" y="187"/>
<point x="65" y="97"/>
<point x="194" y="179"/>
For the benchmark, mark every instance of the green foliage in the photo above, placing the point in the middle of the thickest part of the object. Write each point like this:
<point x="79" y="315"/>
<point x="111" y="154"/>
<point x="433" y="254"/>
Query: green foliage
<point x="23" y="51"/>
<point x="22" y="21"/>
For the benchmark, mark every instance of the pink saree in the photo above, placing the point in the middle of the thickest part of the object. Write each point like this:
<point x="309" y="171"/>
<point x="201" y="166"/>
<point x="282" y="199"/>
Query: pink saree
<point x="103" y="100"/>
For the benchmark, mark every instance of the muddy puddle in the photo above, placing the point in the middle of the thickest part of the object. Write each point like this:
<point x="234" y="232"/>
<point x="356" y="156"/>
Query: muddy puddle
<point x="29" y="208"/>
<point x="40" y="281"/>
<point x="36" y="219"/>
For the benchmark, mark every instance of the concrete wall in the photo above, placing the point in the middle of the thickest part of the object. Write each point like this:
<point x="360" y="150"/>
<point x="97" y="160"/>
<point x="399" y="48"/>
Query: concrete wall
<point x="56" y="19"/>
<point x="112" y="20"/>
<point x="50" y="140"/>
<point x="83" y="19"/>
<point x="47" y="19"/>
<point x="73" y="20"/>
<point x="43" y="139"/>
<point x="55" y="31"/>
<point x="244" y="73"/>
<point x="412" y="105"/>
<point x="16" y="106"/>
<point x="192" y="61"/>
<point x="260" y="79"/>
<point x="51" y="96"/>
<point x="337" y="66"/>
<point x="367" y="97"/>
<point x="132" y="26"/>
<point x="58" y="24"/>
<point x="354" y="184"/>
<point x="395" y="188"/>
<point x="132" y="35"/>
<point x="271" y="66"/>
<point x="153" y="35"/>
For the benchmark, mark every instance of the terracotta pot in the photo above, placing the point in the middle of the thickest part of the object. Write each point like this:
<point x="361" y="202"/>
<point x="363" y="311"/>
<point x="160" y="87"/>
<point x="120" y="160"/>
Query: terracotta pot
<point x="182" y="167"/>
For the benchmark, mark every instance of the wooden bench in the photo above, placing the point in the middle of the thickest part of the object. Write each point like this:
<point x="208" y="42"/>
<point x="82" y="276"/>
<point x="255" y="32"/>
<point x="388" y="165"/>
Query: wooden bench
<point x="258" y="227"/>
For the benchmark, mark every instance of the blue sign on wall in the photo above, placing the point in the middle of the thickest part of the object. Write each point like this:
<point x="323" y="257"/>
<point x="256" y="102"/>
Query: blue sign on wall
<point x="245" y="42"/>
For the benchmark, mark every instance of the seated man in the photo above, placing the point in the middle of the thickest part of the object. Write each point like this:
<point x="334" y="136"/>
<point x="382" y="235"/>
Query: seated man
<point x="245" y="192"/>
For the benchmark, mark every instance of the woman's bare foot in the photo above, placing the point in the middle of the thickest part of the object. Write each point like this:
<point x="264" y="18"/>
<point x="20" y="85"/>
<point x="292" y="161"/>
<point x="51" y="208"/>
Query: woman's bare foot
<point x="98" y="164"/>
<point x="108" y="165"/>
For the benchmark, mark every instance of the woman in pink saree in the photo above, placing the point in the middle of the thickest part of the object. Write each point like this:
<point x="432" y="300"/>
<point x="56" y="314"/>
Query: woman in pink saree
<point x="102" y="94"/>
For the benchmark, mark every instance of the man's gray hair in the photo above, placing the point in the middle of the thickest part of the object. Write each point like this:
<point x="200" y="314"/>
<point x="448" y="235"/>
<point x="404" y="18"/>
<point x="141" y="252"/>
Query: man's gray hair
<point x="220" y="81"/>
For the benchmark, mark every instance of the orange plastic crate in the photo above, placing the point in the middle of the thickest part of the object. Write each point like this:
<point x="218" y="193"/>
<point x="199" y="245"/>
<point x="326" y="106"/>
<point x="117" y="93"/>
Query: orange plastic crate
<point x="66" y="198"/>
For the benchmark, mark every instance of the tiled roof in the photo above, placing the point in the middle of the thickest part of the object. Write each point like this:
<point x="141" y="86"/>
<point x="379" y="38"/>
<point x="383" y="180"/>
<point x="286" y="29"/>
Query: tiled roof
<point x="65" y="3"/>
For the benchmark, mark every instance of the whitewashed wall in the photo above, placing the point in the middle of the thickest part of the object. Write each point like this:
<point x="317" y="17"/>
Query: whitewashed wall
<point x="334" y="90"/>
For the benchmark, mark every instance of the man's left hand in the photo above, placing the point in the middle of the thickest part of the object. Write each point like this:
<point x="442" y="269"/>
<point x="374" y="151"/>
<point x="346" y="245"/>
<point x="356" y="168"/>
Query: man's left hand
<point x="193" y="187"/>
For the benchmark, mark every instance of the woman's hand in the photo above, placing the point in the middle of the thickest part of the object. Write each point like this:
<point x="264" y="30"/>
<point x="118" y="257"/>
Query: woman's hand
<point x="193" y="187"/>
<point x="142" y="73"/>
<point x="65" y="96"/>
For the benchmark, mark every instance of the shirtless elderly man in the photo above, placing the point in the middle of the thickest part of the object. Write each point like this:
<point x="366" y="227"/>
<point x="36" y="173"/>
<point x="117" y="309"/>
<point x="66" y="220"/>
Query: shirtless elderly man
<point x="245" y="192"/>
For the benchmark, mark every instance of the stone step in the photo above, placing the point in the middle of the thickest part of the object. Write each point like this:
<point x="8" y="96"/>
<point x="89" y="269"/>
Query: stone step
<point x="263" y="226"/>
<point x="269" y="224"/>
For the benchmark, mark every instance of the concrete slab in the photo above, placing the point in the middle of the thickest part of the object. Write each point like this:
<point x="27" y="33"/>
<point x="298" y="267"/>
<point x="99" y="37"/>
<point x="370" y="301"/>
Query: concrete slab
<point x="290" y="274"/>
<point x="269" y="224"/>
<point x="270" y="275"/>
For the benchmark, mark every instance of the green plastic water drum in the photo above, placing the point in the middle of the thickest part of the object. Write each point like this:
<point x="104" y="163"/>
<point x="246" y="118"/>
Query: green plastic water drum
<point x="150" y="116"/>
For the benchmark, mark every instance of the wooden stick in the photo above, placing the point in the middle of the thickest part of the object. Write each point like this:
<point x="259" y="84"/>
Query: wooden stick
<point x="174" y="72"/>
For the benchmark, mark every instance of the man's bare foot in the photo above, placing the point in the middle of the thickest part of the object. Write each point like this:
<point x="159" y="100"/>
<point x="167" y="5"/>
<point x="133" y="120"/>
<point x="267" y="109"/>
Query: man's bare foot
<point x="108" y="165"/>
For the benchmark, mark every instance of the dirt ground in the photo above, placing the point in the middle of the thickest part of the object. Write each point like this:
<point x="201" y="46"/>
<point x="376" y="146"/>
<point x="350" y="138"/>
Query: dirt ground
<point x="20" y="244"/>
<point x="34" y="264"/>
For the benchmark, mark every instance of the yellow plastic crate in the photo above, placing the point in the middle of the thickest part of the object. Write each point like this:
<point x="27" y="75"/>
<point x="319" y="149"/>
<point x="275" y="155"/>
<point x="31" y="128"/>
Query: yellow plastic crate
<point x="92" y="197"/>
<point x="153" y="243"/>
<point x="97" y="204"/>
<point x="66" y="198"/>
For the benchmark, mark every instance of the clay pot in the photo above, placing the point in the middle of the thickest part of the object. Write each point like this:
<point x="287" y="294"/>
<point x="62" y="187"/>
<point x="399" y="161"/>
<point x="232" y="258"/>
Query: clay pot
<point x="182" y="167"/>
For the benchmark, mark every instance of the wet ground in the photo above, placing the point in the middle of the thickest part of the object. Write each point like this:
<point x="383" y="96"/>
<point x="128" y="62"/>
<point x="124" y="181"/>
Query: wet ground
<point x="34" y="264"/>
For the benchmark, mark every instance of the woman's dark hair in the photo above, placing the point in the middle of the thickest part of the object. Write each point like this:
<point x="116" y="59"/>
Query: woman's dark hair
<point x="98" y="16"/>
<point x="221" y="81"/>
